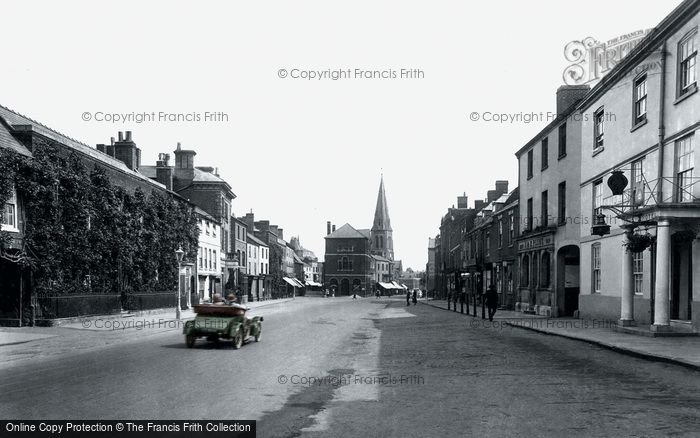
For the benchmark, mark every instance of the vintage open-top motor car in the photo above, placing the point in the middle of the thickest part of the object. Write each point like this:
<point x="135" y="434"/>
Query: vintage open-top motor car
<point x="217" y="321"/>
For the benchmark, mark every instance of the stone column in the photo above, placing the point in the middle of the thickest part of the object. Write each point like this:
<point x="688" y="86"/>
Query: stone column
<point x="627" y="294"/>
<point x="662" y="321"/>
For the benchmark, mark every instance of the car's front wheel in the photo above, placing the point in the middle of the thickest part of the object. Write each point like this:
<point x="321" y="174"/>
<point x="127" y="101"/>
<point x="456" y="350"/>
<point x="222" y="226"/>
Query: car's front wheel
<point x="257" y="337"/>
<point x="189" y="340"/>
<point x="238" y="340"/>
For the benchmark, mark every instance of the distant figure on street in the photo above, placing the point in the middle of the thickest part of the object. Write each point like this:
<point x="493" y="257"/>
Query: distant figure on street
<point x="354" y="295"/>
<point x="491" y="301"/>
<point x="454" y="301"/>
<point x="408" y="297"/>
<point x="415" y="297"/>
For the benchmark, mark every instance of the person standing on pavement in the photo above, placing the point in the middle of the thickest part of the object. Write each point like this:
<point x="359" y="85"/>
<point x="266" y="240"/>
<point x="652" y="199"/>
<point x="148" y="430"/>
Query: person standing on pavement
<point x="491" y="301"/>
<point x="408" y="297"/>
<point x="415" y="297"/>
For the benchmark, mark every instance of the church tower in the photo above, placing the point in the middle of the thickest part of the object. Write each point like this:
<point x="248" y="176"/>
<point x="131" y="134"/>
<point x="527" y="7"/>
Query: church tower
<point x="381" y="234"/>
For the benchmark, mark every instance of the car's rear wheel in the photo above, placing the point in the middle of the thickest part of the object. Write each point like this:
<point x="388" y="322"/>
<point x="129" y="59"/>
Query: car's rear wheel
<point x="189" y="341"/>
<point x="257" y="337"/>
<point x="238" y="340"/>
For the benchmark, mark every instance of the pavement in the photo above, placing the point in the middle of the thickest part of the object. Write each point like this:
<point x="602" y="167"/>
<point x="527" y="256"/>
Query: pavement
<point x="346" y="368"/>
<point x="684" y="351"/>
<point x="165" y="318"/>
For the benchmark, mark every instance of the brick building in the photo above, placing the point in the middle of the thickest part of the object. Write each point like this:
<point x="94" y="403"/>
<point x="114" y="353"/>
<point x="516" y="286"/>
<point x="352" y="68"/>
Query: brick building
<point x="120" y="160"/>
<point x="347" y="264"/>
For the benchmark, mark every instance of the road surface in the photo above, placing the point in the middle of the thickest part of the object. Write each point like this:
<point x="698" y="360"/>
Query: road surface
<point x="341" y="367"/>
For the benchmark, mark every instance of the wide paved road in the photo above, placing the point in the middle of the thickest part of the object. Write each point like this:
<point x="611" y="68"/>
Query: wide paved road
<point x="323" y="368"/>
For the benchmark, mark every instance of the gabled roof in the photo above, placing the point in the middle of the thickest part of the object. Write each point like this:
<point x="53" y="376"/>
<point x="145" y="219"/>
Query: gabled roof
<point x="206" y="215"/>
<point x="346" y="232"/>
<point x="8" y="141"/>
<point x="381" y="259"/>
<point x="17" y="120"/>
<point x="203" y="176"/>
<point x="365" y="232"/>
<point x="255" y="240"/>
<point x="200" y="176"/>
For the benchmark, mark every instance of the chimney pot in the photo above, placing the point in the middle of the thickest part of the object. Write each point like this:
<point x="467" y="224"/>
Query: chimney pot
<point x="111" y="141"/>
<point x="121" y="136"/>
<point x="128" y="135"/>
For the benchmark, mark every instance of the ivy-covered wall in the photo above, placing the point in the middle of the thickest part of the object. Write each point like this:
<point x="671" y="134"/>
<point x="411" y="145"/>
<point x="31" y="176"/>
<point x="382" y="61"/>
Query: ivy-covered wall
<point x="89" y="238"/>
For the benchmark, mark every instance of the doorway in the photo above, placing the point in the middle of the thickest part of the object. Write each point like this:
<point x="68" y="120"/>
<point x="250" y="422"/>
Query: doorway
<point x="568" y="280"/>
<point x="682" y="284"/>
<point x="345" y="287"/>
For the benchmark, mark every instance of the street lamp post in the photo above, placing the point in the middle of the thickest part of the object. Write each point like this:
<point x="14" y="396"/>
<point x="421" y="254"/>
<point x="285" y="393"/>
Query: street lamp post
<point x="178" y="254"/>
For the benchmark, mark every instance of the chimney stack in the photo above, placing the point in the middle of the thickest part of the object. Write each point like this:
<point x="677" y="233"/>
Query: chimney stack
<point x="502" y="186"/>
<point x="333" y="229"/>
<point x="249" y="220"/>
<point x="126" y="151"/>
<point x="479" y="204"/>
<point x="568" y="95"/>
<point x="184" y="164"/>
<point x="492" y="195"/>
<point x="164" y="173"/>
<point x="463" y="201"/>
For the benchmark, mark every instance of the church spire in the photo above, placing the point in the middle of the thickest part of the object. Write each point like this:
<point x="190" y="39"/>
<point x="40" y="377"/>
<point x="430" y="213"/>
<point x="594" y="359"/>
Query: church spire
<point x="381" y="213"/>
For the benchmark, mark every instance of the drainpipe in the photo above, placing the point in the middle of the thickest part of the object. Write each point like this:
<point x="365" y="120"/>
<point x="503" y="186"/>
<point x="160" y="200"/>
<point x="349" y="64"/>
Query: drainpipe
<point x="662" y="107"/>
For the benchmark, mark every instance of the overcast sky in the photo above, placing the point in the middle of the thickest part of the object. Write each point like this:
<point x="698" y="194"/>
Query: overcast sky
<point x="300" y="152"/>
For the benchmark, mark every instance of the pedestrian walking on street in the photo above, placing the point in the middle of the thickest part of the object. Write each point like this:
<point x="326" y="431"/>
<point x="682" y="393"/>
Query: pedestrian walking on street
<point x="491" y="301"/>
<point x="408" y="297"/>
<point x="415" y="297"/>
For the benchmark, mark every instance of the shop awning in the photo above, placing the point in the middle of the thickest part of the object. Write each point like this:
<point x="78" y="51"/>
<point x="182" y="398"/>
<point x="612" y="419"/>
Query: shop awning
<point x="313" y="284"/>
<point x="292" y="282"/>
<point x="387" y="286"/>
<point x="398" y="286"/>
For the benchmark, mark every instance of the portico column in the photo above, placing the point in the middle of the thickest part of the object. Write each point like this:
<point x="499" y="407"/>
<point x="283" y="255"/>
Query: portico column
<point x="627" y="294"/>
<point x="662" y="320"/>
